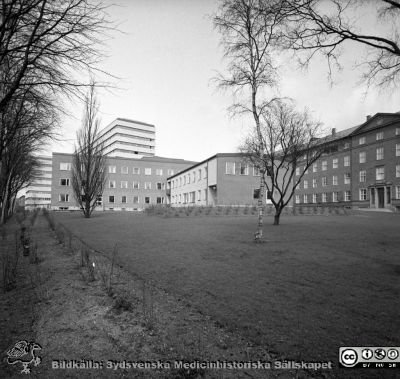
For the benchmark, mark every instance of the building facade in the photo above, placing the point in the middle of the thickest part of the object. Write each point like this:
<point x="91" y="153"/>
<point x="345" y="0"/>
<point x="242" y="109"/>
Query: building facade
<point x="131" y="184"/>
<point x="223" y="179"/>
<point x="362" y="170"/>
<point x="128" y="139"/>
<point x="38" y="194"/>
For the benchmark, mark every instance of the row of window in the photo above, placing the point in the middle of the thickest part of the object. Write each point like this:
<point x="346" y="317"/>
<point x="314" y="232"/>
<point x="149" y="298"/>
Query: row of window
<point x="378" y="136"/>
<point x="65" y="198"/>
<point x="362" y="157"/>
<point x="190" y="177"/>
<point x="234" y="168"/>
<point x="125" y="170"/>
<point x="189" y="197"/>
<point x="136" y="185"/>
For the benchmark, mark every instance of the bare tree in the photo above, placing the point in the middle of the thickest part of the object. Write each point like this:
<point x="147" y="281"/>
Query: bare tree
<point x="288" y="142"/>
<point x="88" y="171"/>
<point x="249" y="31"/>
<point x="316" y="26"/>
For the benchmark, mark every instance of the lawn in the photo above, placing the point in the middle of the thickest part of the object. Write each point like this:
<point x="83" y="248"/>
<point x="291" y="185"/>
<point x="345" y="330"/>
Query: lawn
<point x="317" y="283"/>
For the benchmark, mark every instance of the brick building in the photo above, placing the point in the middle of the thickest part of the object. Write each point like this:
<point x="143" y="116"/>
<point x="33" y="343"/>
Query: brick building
<point x="362" y="170"/>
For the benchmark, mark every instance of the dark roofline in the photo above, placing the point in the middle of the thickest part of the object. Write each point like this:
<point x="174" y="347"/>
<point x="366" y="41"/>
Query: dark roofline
<point x="396" y="114"/>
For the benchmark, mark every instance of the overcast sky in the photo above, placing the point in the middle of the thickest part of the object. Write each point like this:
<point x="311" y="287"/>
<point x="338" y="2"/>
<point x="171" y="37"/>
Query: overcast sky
<point x="167" y="55"/>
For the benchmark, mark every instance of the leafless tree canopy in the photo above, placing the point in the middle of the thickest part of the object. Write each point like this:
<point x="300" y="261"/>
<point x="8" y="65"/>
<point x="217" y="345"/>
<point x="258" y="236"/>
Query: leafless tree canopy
<point x="286" y="138"/>
<point x="324" y="26"/>
<point x="88" y="171"/>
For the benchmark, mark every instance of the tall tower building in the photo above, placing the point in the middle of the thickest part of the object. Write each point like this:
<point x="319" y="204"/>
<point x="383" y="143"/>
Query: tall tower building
<point x="38" y="194"/>
<point x="129" y="139"/>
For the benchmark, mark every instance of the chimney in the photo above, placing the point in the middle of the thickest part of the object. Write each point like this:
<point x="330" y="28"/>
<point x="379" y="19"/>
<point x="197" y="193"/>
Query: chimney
<point x="333" y="131"/>
<point x="368" y="117"/>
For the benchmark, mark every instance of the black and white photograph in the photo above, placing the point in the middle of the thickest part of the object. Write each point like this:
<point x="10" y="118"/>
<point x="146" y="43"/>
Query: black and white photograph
<point x="200" y="189"/>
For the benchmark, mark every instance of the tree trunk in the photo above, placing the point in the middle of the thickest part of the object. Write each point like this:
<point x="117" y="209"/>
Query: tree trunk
<point x="277" y="217"/>
<point x="259" y="232"/>
<point x="87" y="209"/>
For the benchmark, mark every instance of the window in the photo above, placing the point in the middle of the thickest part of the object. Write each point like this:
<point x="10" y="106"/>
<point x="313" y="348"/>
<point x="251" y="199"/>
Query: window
<point x="363" y="176"/>
<point x="315" y="167"/>
<point x="361" y="141"/>
<point x="305" y="199"/>
<point x="230" y="168"/>
<point x="297" y="170"/>
<point x="63" y="198"/>
<point x="205" y="172"/>
<point x="334" y="180"/>
<point x="65" y="166"/>
<point x="380" y="173"/>
<point x="335" y="163"/>
<point x="111" y="199"/>
<point x="112" y="169"/>
<point x="347" y="195"/>
<point x="379" y="153"/>
<point x="160" y="200"/>
<point x="334" y="197"/>
<point x="346" y="145"/>
<point x="324" y="165"/>
<point x="244" y="169"/>
<point x="397" y="149"/>
<point x="111" y="184"/>
<point x="64" y="182"/>
<point x="188" y="178"/>
<point x="135" y="199"/>
<point x="346" y="161"/>
<point x="362" y="157"/>
<point x="170" y="172"/>
<point x="314" y="198"/>
<point x="397" y="131"/>
<point x="324" y="181"/>
<point x="297" y="199"/>
<point x="305" y="184"/>
<point x="269" y="195"/>
<point x="398" y="171"/>
<point x="159" y="186"/>
<point x="99" y="201"/>
<point x="136" y="170"/>
<point x="314" y="183"/>
<point x="123" y="199"/>
<point x="199" y="194"/>
<point x="159" y="171"/>
<point x="147" y="171"/>
<point x="124" y="169"/>
<point x="379" y="136"/>
<point x="199" y="175"/>
<point x="397" y="192"/>
<point x="347" y="178"/>
<point x="256" y="193"/>
<point x="136" y="185"/>
<point x="306" y="171"/>
<point x="194" y="176"/>
<point x="324" y="197"/>
<point x="124" y="184"/>
<point x="363" y="194"/>
<point x="147" y="200"/>
<point x="147" y="185"/>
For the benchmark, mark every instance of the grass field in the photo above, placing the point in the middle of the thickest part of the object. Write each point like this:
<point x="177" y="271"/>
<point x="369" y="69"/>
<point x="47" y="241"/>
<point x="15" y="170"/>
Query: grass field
<point x="317" y="283"/>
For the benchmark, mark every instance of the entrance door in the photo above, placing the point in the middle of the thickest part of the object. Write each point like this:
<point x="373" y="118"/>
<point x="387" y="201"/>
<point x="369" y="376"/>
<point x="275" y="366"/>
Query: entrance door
<point x="381" y="197"/>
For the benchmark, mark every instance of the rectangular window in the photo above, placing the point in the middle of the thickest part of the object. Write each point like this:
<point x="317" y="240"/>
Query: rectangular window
<point x="147" y="200"/>
<point x="379" y="153"/>
<point x="199" y="175"/>
<point x="363" y="176"/>
<point x="99" y="201"/>
<point x="199" y="194"/>
<point x="379" y="136"/>
<point x="111" y="199"/>
<point x="347" y="195"/>
<point x="362" y="157"/>
<point x="305" y="200"/>
<point x="324" y="165"/>
<point x="398" y="131"/>
<point x="363" y="194"/>
<point x="123" y="199"/>
<point x="334" y="180"/>
<point x="324" y="181"/>
<point x="135" y="199"/>
<point x="324" y="197"/>
<point x="159" y="186"/>
<point x="230" y="168"/>
<point x="347" y="178"/>
<point x="205" y="172"/>
<point x="170" y="172"/>
<point x="256" y="193"/>
<point x="361" y="141"/>
<point x="397" y="149"/>
<point x="65" y="166"/>
<point x="111" y="184"/>
<point x="147" y="185"/>
<point x="314" y="183"/>
<point x="306" y="171"/>
<point x="112" y="169"/>
<point x="63" y="198"/>
<point x="136" y="170"/>
<point x="315" y="167"/>
<point x="305" y="184"/>
<point x="244" y="169"/>
<point x="160" y="200"/>
<point x="335" y="163"/>
<point x="334" y="197"/>
<point x="124" y="169"/>
<point x="297" y="199"/>
<point x="380" y="173"/>
<point x="297" y="171"/>
<point x="398" y="171"/>
<point x="397" y="192"/>
<point x="188" y="178"/>
<point x="159" y="171"/>
<point x="194" y="176"/>
<point x="124" y="184"/>
<point x="346" y="161"/>
<point x="314" y="198"/>
<point x="64" y="182"/>
<point x="147" y="171"/>
<point x="136" y="185"/>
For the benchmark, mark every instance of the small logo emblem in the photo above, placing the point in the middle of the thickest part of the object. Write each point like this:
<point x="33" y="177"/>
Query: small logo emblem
<point x="348" y="357"/>
<point x="24" y="352"/>
<point x="392" y="354"/>
<point x="380" y="354"/>
<point x="367" y="354"/>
